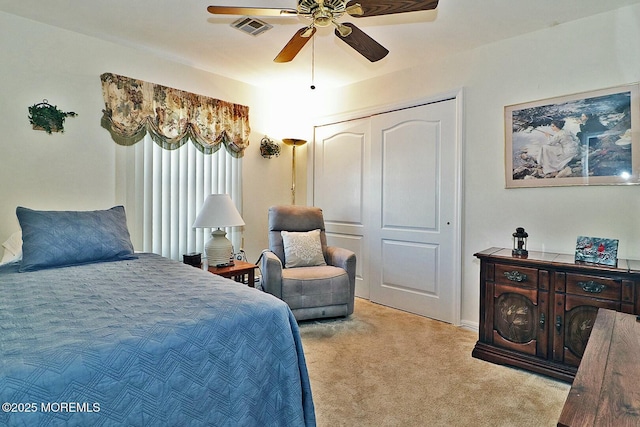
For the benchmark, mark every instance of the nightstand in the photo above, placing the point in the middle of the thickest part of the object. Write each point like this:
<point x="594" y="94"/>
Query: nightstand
<point x="238" y="271"/>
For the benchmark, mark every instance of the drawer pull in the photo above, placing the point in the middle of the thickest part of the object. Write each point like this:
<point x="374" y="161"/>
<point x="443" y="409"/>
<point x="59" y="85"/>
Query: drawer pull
<point x="592" y="287"/>
<point x="515" y="276"/>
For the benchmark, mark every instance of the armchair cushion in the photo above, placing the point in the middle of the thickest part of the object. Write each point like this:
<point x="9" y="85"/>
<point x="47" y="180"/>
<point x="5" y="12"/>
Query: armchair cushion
<point x="319" y="286"/>
<point x="302" y="249"/>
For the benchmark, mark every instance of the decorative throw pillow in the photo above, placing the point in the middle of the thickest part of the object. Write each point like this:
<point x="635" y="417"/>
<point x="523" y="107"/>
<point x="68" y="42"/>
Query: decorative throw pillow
<point x="302" y="249"/>
<point x="12" y="248"/>
<point x="63" y="238"/>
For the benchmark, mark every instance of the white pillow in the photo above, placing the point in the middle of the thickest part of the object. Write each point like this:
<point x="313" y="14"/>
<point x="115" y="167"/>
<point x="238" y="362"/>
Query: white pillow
<point x="302" y="249"/>
<point x="12" y="248"/>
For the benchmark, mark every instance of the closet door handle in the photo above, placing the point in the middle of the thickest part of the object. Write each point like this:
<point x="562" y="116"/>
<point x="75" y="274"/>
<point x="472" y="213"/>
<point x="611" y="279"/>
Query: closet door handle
<point x="559" y="324"/>
<point x="542" y="320"/>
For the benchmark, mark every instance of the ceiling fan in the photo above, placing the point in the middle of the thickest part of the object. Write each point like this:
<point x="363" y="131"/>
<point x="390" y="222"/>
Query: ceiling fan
<point x="323" y="13"/>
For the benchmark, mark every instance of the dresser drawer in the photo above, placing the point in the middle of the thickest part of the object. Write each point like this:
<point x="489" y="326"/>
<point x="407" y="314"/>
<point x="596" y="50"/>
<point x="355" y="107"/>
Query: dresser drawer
<point x="516" y="275"/>
<point x="593" y="286"/>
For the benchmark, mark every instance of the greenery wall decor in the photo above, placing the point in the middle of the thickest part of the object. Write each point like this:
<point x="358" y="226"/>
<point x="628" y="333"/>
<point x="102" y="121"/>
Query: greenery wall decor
<point x="47" y="117"/>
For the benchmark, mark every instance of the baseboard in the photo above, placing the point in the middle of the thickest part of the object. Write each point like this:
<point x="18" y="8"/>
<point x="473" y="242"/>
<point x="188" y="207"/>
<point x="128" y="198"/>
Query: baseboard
<point x="474" y="326"/>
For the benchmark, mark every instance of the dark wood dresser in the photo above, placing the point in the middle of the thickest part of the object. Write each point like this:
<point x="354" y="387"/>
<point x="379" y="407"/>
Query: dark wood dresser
<point x="537" y="313"/>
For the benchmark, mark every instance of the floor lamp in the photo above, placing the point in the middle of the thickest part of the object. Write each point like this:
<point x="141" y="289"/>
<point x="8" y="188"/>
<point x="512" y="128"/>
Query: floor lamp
<point x="295" y="143"/>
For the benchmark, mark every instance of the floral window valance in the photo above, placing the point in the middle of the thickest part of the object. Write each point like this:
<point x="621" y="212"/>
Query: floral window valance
<point x="171" y="116"/>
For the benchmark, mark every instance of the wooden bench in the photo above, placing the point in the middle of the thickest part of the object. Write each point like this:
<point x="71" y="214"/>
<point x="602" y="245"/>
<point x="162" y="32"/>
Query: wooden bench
<point x="606" y="389"/>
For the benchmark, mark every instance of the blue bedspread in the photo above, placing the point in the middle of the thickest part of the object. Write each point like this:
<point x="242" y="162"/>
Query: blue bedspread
<point x="147" y="342"/>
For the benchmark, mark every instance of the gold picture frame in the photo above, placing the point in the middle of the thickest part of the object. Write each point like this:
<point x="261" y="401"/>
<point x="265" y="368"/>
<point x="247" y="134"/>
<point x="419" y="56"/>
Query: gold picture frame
<point x="589" y="138"/>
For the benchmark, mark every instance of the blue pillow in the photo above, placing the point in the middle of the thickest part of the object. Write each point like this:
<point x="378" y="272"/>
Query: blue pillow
<point x="63" y="238"/>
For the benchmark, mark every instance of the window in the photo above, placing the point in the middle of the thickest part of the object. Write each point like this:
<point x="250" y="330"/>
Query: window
<point x="162" y="191"/>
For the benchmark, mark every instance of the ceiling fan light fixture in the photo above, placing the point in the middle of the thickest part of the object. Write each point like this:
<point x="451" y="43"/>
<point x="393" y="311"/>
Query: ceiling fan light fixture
<point x="342" y="29"/>
<point x="308" y="32"/>
<point x="355" y="10"/>
<point x="322" y="18"/>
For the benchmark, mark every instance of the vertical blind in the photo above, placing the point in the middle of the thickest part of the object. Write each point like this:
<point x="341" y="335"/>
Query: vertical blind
<point x="163" y="191"/>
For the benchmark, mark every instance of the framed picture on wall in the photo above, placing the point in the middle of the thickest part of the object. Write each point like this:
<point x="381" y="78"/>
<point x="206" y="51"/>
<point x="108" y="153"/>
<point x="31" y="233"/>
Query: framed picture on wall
<point x="589" y="138"/>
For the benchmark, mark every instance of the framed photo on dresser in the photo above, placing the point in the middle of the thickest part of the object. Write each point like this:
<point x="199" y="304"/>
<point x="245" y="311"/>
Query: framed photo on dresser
<point x="596" y="250"/>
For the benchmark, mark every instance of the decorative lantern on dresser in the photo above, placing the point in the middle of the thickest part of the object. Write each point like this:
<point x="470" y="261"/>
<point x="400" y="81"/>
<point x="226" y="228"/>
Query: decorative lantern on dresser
<point x="520" y="243"/>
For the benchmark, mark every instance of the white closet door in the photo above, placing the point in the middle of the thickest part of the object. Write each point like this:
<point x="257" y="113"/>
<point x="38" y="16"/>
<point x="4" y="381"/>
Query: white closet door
<point x="413" y="223"/>
<point x="389" y="188"/>
<point x="339" y="187"/>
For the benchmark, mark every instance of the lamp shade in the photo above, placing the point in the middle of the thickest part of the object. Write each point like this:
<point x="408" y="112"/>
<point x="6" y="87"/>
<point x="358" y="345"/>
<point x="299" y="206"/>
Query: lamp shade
<point x="294" y="141"/>
<point x="218" y="211"/>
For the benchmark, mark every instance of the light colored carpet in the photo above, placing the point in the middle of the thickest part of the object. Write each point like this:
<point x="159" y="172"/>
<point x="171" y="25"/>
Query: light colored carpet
<point x="385" y="367"/>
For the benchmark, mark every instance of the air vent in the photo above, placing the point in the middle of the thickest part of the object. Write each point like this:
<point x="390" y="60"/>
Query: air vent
<point x="252" y="26"/>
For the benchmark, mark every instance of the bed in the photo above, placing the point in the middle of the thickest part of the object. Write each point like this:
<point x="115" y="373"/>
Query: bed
<point x="142" y="340"/>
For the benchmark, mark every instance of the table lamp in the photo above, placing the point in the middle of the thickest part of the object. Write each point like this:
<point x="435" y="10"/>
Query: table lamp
<point x="218" y="211"/>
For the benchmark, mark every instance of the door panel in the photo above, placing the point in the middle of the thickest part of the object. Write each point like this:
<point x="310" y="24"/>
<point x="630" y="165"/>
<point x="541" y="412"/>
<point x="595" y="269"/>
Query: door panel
<point x="409" y="162"/>
<point x="404" y="261"/>
<point x="413" y="209"/>
<point x="339" y="171"/>
<point x="339" y="185"/>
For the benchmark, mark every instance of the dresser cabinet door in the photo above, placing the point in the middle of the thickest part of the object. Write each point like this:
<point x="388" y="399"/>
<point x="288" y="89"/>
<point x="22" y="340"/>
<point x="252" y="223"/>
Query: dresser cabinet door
<point x="519" y="319"/>
<point x="574" y="319"/>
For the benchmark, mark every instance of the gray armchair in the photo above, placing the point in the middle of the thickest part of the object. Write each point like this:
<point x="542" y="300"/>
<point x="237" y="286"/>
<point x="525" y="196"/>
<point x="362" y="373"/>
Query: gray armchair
<point x="311" y="292"/>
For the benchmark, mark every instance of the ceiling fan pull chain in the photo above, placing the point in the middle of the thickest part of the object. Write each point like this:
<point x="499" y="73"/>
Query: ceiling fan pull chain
<point x="313" y="63"/>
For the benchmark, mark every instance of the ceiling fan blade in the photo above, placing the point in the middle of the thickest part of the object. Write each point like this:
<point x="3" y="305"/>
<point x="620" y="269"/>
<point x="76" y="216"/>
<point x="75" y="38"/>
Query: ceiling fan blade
<point x="365" y="45"/>
<point x="297" y="42"/>
<point x="250" y="11"/>
<point x="388" y="7"/>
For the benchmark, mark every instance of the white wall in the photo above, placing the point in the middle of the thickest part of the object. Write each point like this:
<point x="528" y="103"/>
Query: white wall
<point x="277" y="114"/>
<point x="588" y="54"/>
<point x="76" y="169"/>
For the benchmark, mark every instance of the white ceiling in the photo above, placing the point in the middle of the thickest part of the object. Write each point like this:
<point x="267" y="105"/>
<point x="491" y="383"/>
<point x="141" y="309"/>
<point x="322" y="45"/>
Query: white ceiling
<point x="184" y="31"/>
